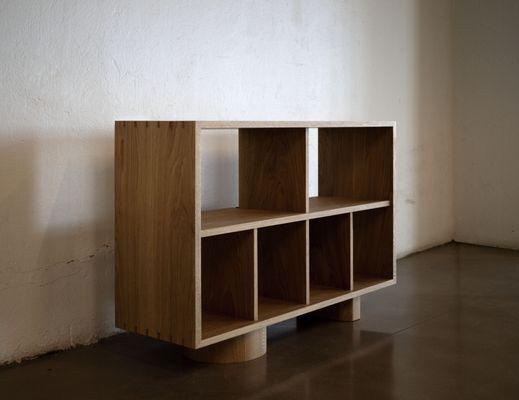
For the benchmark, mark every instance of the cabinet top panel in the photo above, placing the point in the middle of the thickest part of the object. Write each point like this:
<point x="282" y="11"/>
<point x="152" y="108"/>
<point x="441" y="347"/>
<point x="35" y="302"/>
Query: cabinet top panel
<point x="284" y="124"/>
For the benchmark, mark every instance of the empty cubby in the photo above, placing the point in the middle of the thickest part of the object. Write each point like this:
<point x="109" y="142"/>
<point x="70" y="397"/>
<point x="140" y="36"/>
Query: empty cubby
<point x="219" y="168"/>
<point x="282" y="260"/>
<point x="356" y="162"/>
<point x="373" y="258"/>
<point x="272" y="169"/>
<point x="228" y="276"/>
<point x="330" y="255"/>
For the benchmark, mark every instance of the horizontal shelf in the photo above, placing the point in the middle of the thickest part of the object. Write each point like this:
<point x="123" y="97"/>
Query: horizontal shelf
<point x="290" y="124"/>
<point x="216" y="327"/>
<point x="323" y="206"/>
<point x="321" y="293"/>
<point x="269" y="308"/>
<point x="227" y="220"/>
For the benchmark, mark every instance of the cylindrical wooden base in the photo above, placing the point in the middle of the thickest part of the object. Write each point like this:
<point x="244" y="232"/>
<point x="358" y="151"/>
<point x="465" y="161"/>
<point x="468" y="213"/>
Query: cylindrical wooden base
<point x="348" y="310"/>
<point x="239" y="349"/>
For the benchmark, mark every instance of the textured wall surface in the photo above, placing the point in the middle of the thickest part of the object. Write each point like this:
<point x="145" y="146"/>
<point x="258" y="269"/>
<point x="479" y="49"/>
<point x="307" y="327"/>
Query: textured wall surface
<point x="70" y="68"/>
<point x="486" y="130"/>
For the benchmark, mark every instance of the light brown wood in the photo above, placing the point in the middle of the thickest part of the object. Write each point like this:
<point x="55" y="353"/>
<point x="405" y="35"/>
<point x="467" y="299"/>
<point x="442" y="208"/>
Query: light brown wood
<point x="272" y="169"/>
<point x="356" y="163"/>
<point x="282" y="262"/>
<point x="229" y="275"/>
<point x="199" y="279"/>
<point x="156" y="230"/>
<point x="347" y="311"/>
<point x="331" y="251"/>
<point x="322" y="293"/>
<point x="272" y="311"/>
<point x="359" y="163"/>
<point x="217" y="222"/>
<point x="373" y="247"/>
<point x="291" y="124"/>
<point x="247" y="347"/>
<point x="325" y="206"/>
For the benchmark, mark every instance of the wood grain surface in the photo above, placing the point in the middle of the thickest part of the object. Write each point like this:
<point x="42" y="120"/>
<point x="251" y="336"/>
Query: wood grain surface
<point x="331" y="251"/>
<point x="356" y="163"/>
<point x="373" y="250"/>
<point x="226" y="220"/>
<point x="347" y="311"/>
<point x="155" y="230"/>
<point x="272" y="311"/>
<point x="239" y="349"/>
<point x="229" y="275"/>
<point x="273" y="169"/>
<point x="291" y="124"/>
<point x="199" y="278"/>
<point x="283" y="262"/>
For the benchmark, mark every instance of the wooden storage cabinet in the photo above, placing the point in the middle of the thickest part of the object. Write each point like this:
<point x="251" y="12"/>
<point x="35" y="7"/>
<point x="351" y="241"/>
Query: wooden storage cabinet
<point x="212" y="281"/>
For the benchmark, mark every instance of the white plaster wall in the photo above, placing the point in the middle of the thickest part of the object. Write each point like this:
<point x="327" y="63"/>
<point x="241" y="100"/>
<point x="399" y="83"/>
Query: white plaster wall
<point x="487" y="129"/>
<point x="70" y="68"/>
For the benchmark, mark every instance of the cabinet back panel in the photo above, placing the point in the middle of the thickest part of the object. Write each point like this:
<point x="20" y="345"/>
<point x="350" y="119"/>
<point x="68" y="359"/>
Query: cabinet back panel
<point x="229" y="274"/>
<point x="273" y="169"/>
<point x="356" y="162"/>
<point x="283" y="262"/>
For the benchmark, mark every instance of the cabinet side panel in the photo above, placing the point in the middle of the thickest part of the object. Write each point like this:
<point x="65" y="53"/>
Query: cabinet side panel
<point x="155" y="229"/>
<point x="273" y="169"/>
<point x="356" y="162"/>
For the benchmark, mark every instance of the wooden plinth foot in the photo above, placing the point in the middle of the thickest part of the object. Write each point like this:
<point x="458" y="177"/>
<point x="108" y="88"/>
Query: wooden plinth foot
<point x="242" y="348"/>
<point x="346" y="311"/>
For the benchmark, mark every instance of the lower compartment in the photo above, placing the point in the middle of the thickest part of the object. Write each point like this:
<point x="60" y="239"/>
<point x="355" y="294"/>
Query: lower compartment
<point x="229" y="276"/>
<point x="331" y="253"/>
<point x="256" y="278"/>
<point x="372" y="245"/>
<point x="218" y="327"/>
<point x="282" y="263"/>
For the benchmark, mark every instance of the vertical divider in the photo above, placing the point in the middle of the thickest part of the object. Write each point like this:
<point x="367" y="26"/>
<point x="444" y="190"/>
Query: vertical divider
<point x="307" y="260"/>
<point x="307" y="222"/>
<point x="307" y="173"/>
<point x="351" y="250"/>
<point x="255" y="273"/>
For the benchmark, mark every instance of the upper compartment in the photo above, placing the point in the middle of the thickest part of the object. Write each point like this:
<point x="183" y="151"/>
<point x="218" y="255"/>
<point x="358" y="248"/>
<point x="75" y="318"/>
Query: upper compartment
<point x="356" y="163"/>
<point x="272" y="169"/>
<point x="270" y="176"/>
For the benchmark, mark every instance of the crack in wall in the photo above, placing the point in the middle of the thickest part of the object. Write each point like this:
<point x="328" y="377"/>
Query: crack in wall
<point x="48" y="274"/>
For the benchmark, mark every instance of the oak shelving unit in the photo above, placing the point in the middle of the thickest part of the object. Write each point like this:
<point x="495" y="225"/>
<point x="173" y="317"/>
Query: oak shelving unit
<point x="212" y="281"/>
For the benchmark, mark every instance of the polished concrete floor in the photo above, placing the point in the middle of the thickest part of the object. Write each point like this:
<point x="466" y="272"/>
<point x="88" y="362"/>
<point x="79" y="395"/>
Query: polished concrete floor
<point x="448" y="330"/>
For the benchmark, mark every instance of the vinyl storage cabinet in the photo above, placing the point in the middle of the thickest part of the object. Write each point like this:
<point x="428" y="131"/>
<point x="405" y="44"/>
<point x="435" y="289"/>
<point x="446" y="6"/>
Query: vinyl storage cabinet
<point x="212" y="281"/>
